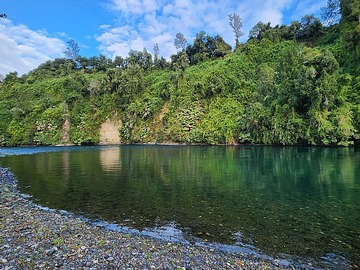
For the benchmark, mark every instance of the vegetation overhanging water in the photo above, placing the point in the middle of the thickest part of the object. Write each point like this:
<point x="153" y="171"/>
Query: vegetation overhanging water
<point x="301" y="201"/>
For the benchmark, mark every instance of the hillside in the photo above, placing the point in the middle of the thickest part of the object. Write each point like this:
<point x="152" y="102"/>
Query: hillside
<point x="296" y="84"/>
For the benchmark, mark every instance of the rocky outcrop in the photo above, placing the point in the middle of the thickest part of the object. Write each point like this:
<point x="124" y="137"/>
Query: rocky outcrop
<point x="109" y="131"/>
<point x="65" y="132"/>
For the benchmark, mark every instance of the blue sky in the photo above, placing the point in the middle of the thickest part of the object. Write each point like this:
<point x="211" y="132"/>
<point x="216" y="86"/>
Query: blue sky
<point x="38" y="30"/>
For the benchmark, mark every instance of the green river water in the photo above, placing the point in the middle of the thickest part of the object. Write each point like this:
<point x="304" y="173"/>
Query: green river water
<point x="301" y="202"/>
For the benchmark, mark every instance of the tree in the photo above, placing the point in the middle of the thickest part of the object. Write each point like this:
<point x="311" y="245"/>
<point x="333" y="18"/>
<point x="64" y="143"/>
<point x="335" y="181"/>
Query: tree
<point x="355" y="10"/>
<point x="141" y="58"/>
<point x="146" y="59"/>
<point x="156" y="51"/>
<point x="180" y="61"/>
<point x="258" y="30"/>
<point x="310" y="29"/>
<point x="3" y="16"/>
<point x="119" y="62"/>
<point x="72" y="50"/>
<point x="156" y="54"/>
<point x="198" y="52"/>
<point x="83" y="61"/>
<point x="236" y="24"/>
<point x="180" y="41"/>
<point x="331" y="14"/>
<point x="219" y="48"/>
<point x="206" y="47"/>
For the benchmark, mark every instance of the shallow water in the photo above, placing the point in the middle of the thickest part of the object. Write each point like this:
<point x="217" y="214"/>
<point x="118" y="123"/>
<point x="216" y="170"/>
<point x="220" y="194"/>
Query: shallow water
<point x="299" y="201"/>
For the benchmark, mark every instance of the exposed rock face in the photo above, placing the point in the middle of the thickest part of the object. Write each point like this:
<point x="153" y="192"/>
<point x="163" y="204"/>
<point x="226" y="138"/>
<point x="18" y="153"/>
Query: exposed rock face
<point x="109" y="131"/>
<point x="65" y="130"/>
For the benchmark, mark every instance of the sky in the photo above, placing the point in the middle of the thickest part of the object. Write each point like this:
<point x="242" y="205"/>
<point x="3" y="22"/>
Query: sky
<point x="38" y="30"/>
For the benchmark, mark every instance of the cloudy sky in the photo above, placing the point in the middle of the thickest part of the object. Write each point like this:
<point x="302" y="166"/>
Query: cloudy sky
<point x="38" y="30"/>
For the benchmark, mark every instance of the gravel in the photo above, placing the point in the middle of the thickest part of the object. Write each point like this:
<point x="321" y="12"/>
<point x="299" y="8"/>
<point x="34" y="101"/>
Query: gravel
<point x="32" y="237"/>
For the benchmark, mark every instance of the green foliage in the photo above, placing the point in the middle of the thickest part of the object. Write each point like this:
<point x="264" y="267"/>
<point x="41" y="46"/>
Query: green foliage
<point x="221" y="123"/>
<point x="48" y="126"/>
<point x="85" y="124"/>
<point x="206" y="47"/>
<point x="296" y="84"/>
<point x="255" y="124"/>
<point x="183" y="124"/>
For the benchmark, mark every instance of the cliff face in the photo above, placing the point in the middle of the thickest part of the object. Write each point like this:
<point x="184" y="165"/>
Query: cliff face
<point x="65" y="136"/>
<point x="109" y="131"/>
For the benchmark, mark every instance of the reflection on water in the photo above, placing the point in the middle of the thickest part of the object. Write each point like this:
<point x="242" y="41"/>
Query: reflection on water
<point x="109" y="159"/>
<point x="299" y="201"/>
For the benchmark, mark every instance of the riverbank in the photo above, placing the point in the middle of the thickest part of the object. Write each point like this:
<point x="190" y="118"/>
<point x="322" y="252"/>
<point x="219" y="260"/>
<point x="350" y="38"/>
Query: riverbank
<point x="32" y="237"/>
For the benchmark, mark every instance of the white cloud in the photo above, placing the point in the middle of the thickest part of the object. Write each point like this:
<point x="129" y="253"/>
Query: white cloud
<point x="105" y="26"/>
<point x="23" y="49"/>
<point x="146" y="22"/>
<point x="62" y="34"/>
<point x="131" y="7"/>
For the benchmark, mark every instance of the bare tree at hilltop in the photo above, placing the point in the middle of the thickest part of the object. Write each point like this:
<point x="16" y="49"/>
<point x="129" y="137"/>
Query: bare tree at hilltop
<point x="236" y="25"/>
<point x="156" y="52"/>
<point x="72" y="50"/>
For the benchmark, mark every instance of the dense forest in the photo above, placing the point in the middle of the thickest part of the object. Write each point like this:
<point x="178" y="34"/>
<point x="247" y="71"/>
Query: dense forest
<point x="287" y="84"/>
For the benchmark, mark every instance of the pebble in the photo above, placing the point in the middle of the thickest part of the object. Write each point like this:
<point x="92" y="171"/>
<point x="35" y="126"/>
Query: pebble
<point x="29" y="231"/>
<point x="51" y="251"/>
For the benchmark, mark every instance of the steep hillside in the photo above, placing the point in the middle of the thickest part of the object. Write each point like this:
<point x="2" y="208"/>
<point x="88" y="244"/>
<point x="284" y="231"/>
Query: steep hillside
<point x="296" y="84"/>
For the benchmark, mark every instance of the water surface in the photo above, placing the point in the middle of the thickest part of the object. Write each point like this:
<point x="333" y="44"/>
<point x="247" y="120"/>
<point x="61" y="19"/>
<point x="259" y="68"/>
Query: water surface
<point x="300" y="201"/>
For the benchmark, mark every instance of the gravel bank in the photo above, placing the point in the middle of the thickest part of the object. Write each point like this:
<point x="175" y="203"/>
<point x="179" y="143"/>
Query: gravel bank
<point x="34" y="238"/>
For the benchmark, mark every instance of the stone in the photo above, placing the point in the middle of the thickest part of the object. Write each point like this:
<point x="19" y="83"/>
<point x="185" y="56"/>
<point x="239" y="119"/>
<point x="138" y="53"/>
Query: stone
<point x="51" y="251"/>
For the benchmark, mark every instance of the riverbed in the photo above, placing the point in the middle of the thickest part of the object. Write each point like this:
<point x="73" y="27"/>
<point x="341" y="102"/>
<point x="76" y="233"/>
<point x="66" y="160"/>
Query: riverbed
<point x="34" y="237"/>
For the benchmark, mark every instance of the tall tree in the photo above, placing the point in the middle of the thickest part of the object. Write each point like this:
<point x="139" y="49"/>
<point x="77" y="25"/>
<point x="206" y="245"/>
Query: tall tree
<point x="72" y="50"/>
<point x="236" y="24"/>
<point x="331" y="13"/>
<point x="156" y="54"/>
<point x="156" y="51"/>
<point x="180" y="41"/>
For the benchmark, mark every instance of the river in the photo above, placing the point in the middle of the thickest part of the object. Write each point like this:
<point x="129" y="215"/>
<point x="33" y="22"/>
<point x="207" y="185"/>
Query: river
<point x="292" y="202"/>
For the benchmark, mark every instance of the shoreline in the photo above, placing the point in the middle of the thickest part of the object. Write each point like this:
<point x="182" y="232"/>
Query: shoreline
<point x="170" y="143"/>
<point x="32" y="237"/>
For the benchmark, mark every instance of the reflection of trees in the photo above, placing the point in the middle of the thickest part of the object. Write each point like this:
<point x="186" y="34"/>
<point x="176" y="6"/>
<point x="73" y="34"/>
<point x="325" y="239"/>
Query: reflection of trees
<point x="287" y="199"/>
